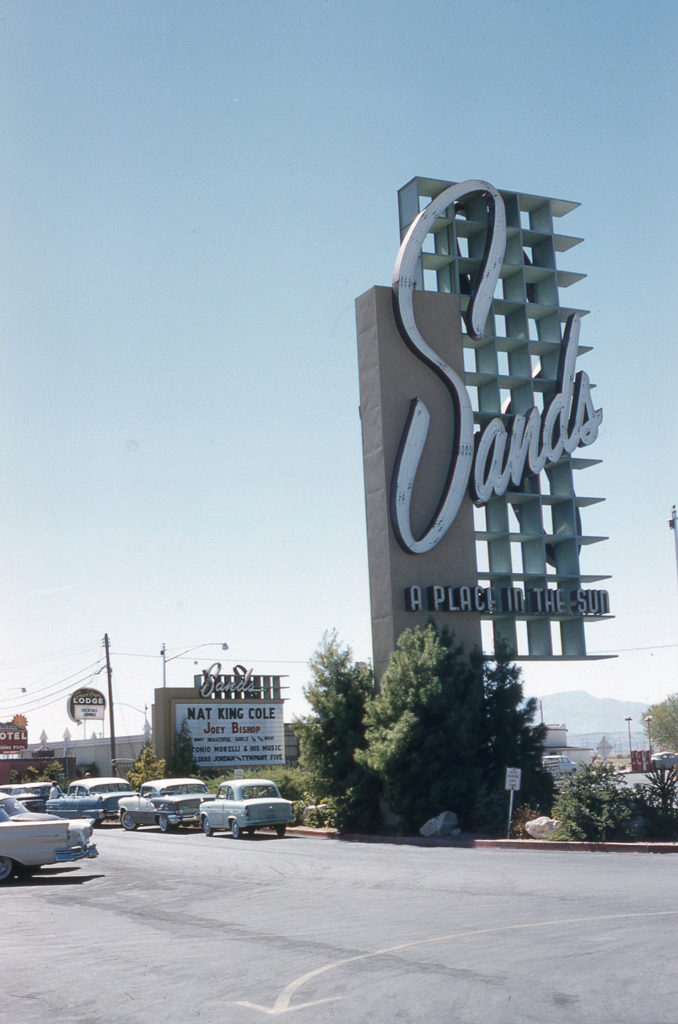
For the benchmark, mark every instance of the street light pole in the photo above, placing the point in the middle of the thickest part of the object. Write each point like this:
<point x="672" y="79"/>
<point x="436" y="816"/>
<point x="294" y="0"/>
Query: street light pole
<point x="628" y="721"/>
<point x="165" y="659"/>
<point x="673" y="525"/>
<point x="648" y="719"/>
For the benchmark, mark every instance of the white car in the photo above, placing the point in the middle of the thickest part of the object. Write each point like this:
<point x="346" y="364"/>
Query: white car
<point x="29" y="840"/>
<point x="559" y="765"/>
<point x="243" y="805"/>
<point x="164" y="802"/>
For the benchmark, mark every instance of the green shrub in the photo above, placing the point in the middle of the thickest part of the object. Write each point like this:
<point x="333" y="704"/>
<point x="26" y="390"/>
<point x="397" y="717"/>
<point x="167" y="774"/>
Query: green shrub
<point x="146" y="767"/>
<point x="320" y="815"/>
<point x="656" y="804"/>
<point x="593" y="804"/>
<point x="292" y="782"/>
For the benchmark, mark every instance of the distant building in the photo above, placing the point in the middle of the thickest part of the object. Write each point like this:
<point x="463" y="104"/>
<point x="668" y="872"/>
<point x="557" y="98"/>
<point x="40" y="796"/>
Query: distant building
<point x="556" y="743"/>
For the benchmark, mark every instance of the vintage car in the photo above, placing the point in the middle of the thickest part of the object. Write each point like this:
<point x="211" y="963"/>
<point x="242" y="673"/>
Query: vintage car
<point x="664" y="759"/>
<point x="244" y="805"/>
<point x="29" y="839"/>
<point x="559" y="765"/>
<point x="91" y="798"/>
<point x="33" y="795"/>
<point x="164" y="802"/>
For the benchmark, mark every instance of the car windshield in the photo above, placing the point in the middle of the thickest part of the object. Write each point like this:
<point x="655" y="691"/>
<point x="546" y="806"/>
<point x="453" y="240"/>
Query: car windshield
<point x="257" y="792"/>
<point x="12" y="806"/>
<point x="186" y="787"/>
<point x="112" y="787"/>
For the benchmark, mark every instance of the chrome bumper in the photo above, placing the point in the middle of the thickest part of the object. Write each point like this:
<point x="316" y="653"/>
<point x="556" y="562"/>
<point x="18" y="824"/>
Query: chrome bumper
<point x="76" y="853"/>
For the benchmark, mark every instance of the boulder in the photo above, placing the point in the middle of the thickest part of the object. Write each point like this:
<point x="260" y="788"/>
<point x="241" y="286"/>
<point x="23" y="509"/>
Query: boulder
<point x="445" y="825"/>
<point x="541" y="828"/>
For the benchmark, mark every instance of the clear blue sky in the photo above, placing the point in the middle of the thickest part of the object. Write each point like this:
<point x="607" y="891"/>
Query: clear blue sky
<point x="193" y="196"/>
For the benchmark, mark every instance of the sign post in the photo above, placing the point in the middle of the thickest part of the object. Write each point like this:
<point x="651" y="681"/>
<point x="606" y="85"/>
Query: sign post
<point x="512" y="783"/>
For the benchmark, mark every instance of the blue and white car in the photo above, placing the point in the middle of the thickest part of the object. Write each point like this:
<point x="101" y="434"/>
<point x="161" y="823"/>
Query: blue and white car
<point x="96" y="799"/>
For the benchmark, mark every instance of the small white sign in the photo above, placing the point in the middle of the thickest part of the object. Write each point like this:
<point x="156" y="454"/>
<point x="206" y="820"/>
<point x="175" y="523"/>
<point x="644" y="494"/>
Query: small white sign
<point x="513" y="778"/>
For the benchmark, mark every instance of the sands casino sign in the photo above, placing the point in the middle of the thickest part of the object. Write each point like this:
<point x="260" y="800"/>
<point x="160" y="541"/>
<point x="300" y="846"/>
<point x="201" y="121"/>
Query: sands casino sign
<point x="471" y="505"/>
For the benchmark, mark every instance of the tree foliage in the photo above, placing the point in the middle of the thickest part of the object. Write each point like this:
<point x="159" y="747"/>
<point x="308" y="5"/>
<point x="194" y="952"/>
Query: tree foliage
<point x="181" y="762"/>
<point x="424" y="727"/>
<point x="664" y="723"/>
<point x="445" y="727"/>
<point x="593" y="804"/>
<point x="657" y="803"/>
<point x="508" y="739"/>
<point x="339" y="694"/>
<point x="146" y="767"/>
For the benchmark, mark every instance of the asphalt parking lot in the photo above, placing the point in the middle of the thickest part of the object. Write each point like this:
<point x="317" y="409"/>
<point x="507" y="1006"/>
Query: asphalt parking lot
<point x="179" y="927"/>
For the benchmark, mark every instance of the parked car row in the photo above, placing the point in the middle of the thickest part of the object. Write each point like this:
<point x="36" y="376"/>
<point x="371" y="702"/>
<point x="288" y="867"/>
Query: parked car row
<point x="239" y="807"/>
<point x="62" y="833"/>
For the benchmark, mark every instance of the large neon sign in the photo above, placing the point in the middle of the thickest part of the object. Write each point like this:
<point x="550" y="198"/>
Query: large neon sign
<point x="498" y="455"/>
<point x="476" y="475"/>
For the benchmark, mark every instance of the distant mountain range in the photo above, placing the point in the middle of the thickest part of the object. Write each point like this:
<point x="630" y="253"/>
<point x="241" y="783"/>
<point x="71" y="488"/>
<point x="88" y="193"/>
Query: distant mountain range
<point x="590" y="718"/>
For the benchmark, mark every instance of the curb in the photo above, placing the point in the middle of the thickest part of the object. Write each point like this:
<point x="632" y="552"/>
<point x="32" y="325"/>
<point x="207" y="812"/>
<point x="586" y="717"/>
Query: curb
<point x="471" y="843"/>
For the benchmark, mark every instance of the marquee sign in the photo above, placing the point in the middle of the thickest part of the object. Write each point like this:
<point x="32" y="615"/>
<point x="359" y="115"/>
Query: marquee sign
<point x="474" y="413"/>
<point x="234" y="732"/>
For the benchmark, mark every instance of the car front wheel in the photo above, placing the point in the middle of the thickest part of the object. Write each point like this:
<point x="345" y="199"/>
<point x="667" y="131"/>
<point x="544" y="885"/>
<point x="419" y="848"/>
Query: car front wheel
<point x="164" y="823"/>
<point x="127" y="821"/>
<point x="236" y="831"/>
<point x="206" y="827"/>
<point x="280" y="831"/>
<point x="6" y="868"/>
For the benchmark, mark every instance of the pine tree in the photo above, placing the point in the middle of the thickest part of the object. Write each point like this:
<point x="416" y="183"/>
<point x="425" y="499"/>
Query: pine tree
<point x="508" y="739"/>
<point x="423" y="728"/>
<point x="182" y="761"/>
<point x="329" y="738"/>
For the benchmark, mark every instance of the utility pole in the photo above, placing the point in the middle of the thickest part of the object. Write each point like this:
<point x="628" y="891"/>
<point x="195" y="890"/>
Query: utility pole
<point x="111" y="716"/>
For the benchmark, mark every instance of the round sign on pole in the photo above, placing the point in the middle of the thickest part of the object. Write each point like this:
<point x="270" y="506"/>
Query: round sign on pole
<point x="86" y="703"/>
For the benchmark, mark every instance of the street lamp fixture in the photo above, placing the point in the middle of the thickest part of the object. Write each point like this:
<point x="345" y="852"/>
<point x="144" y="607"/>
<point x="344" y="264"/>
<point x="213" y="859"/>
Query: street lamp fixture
<point x="165" y="659"/>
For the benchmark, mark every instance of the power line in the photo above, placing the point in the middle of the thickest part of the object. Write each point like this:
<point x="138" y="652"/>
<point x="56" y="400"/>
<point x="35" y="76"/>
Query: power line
<point x="37" y="659"/>
<point x="65" y="679"/>
<point x="627" y="650"/>
<point x="32" y="702"/>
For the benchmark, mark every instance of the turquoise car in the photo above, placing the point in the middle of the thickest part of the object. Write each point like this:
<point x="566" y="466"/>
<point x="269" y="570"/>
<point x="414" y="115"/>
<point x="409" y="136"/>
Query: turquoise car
<point x="244" y="805"/>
